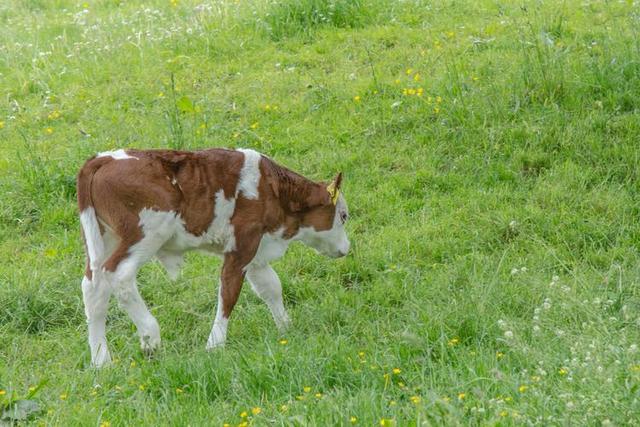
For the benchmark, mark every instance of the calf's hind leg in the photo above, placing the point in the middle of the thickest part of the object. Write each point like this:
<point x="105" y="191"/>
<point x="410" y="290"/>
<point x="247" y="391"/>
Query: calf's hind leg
<point x="95" y="294"/>
<point x="266" y="284"/>
<point x="122" y="268"/>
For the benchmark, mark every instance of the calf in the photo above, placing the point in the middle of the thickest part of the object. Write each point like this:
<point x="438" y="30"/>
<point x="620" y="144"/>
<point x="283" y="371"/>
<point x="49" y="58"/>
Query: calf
<point x="237" y="204"/>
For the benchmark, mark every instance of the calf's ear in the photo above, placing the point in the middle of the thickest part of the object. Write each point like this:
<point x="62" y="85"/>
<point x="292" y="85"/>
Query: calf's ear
<point x="338" y="180"/>
<point x="333" y="189"/>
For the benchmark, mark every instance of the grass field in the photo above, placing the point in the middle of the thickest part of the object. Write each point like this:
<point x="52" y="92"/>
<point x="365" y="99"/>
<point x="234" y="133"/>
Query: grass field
<point x="492" y="168"/>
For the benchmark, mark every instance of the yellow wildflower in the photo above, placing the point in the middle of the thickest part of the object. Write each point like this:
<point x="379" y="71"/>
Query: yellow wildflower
<point x="356" y="98"/>
<point x="415" y="399"/>
<point x="300" y="397"/>
<point x="419" y="91"/>
<point x="284" y="408"/>
<point x="396" y="371"/>
<point x="105" y="424"/>
<point x="318" y="395"/>
<point x="436" y="110"/>
<point x="563" y="371"/>
<point x="244" y="414"/>
<point x="353" y="419"/>
<point x="306" y="389"/>
<point x="503" y="413"/>
<point x="256" y="410"/>
<point x="1" y="124"/>
<point x="161" y="95"/>
<point x="522" y="388"/>
<point x="508" y="399"/>
<point x="453" y="341"/>
<point x="64" y="396"/>
<point x="267" y="107"/>
<point x="133" y="364"/>
<point x="416" y="77"/>
<point x="461" y="396"/>
<point x="397" y="81"/>
<point x="535" y="378"/>
<point x="141" y="387"/>
<point x="48" y="131"/>
<point x="499" y="355"/>
<point x="475" y="78"/>
<point x="411" y="91"/>
<point x="401" y="384"/>
<point x="438" y="99"/>
<point x="283" y="342"/>
<point x="384" y="422"/>
<point x="254" y="125"/>
<point x="2" y="392"/>
<point x="409" y="71"/>
<point x="179" y="390"/>
<point x="361" y="353"/>
<point x="243" y="424"/>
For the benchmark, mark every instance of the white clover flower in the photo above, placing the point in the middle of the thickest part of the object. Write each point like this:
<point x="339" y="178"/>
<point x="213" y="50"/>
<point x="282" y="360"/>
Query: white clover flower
<point x="508" y="334"/>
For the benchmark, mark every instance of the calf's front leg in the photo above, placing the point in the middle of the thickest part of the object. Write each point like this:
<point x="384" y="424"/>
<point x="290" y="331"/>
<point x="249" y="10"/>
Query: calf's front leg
<point x="230" y="284"/>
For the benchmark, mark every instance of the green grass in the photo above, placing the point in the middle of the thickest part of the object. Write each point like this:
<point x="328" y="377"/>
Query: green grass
<point x="494" y="219"/>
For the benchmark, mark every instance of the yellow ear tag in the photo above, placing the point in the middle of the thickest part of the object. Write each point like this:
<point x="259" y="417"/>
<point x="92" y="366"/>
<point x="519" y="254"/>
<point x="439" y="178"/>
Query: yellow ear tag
<point x="333" y="192"/>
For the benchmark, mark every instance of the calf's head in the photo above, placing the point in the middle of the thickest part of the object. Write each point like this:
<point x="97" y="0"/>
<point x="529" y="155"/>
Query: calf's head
<point x="322" y="224"/>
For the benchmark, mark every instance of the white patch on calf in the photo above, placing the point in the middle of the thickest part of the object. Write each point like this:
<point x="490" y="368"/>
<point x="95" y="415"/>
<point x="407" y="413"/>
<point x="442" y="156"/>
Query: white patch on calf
<point x="221" y="230"/>
<point x="219" y="237"/>
<point x="249" y="174"/>
<point x="218" y="333"/>
<point x="92" y="237"/>
<point x="333" y="242"/>
<point x="272" y="246"/>
<point x="117" y="155"/>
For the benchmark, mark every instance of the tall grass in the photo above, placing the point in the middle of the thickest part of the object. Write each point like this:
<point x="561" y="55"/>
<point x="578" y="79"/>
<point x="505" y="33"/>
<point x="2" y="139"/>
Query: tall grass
<point x="491" y="168"/>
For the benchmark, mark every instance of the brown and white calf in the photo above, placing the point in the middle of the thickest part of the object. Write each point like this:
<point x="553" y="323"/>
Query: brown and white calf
<point x="240" y="205"/>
